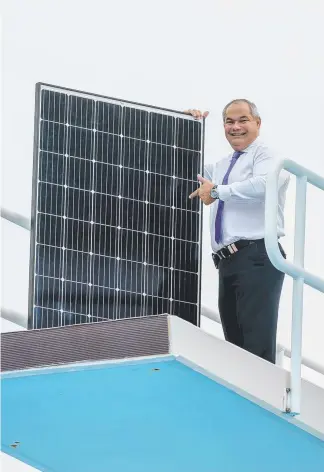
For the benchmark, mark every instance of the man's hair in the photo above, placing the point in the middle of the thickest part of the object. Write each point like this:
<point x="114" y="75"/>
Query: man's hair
<point x="253" y="108"/>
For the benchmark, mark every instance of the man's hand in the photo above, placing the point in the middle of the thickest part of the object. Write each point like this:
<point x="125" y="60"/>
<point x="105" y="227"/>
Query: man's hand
<point x="197" y="113"/>
<point x="203" y="192"/>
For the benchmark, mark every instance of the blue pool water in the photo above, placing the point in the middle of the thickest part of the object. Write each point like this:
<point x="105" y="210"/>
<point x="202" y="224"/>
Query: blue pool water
<point x="133" y="418"/>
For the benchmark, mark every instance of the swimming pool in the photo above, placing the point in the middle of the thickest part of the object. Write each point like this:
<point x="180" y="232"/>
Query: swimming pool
<point x="142" y="416"/>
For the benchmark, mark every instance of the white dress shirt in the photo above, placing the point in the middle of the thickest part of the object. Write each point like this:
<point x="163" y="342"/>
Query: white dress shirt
<point x="244" y="196"/>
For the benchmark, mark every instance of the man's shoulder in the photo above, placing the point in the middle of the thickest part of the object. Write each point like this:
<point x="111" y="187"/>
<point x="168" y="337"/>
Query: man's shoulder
<point x="264" y="151"/>
<point x="259" y="147"/>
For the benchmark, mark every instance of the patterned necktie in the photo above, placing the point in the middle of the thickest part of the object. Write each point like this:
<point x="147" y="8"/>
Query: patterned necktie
<point x="220" y="209"/>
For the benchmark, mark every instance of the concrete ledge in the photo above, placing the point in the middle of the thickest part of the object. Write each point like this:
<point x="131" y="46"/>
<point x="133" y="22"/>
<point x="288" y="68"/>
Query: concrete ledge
<point x="249" y="376"/>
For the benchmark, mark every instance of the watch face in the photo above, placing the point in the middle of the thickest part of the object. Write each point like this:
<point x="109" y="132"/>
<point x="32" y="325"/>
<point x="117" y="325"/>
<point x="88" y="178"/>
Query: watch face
<point x="214" y="193"/>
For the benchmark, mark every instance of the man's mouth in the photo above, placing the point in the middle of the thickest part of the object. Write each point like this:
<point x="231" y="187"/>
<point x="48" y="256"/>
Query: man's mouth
<point x="237" y="134"/>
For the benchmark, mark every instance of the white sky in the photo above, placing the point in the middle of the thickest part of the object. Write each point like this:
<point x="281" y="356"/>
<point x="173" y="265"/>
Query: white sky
<point x="176" y="54"/>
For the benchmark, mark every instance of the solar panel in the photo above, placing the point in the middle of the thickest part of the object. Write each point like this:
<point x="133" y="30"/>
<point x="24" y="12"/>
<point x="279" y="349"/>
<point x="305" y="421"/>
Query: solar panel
<point x="114" y="234"/>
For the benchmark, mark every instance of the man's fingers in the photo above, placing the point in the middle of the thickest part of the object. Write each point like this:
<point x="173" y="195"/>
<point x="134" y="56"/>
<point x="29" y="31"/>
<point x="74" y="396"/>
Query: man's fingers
<point x="202" y="179"/>
<point x="192" y="112"/>
<point x="194" y="194"/>
<point x="197" y="113"/>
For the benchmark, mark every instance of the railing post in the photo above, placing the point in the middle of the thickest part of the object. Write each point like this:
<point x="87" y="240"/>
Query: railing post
<point x="298" y="291"/>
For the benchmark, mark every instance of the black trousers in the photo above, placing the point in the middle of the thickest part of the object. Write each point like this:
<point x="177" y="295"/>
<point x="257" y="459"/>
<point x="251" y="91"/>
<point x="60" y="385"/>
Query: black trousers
<point x="249" y="293"/>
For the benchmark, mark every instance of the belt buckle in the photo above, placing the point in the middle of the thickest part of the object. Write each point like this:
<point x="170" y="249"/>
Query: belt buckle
<point x="232" y="248"/>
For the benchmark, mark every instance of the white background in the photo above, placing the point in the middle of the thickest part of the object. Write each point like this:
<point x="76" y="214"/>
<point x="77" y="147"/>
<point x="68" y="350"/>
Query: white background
<point x="175" y="54"/>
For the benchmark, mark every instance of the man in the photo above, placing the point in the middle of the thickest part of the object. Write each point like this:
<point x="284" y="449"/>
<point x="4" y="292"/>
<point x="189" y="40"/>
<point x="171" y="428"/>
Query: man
<point x="249" y="285"/>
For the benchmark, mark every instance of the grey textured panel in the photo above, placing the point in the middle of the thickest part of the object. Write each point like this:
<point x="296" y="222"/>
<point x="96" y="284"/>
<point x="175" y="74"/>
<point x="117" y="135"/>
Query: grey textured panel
<point x="147" y="336"/>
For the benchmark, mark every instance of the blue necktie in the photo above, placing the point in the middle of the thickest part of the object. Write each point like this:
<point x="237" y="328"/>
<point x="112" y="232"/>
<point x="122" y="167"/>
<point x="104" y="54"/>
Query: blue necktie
<point x="220" y="209"/>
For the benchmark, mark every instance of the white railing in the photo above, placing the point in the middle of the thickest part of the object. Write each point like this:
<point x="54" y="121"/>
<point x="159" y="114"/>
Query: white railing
<point x="296" y="269"/>
<point x="15" y="218"/>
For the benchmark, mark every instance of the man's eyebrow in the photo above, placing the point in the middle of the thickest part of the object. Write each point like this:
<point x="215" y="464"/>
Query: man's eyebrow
<point x="241" y="118"/>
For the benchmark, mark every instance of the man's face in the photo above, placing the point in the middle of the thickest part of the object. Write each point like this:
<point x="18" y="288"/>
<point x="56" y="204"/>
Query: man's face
<point x="241" y="128"/>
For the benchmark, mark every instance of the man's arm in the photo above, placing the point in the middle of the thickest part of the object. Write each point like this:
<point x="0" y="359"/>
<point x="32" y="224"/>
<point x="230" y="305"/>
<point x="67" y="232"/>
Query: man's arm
<point x="254" y="187"/>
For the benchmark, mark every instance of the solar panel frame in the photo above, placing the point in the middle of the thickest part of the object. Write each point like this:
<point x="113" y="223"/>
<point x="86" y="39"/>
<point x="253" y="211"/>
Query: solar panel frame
<point x="35" y="179"/>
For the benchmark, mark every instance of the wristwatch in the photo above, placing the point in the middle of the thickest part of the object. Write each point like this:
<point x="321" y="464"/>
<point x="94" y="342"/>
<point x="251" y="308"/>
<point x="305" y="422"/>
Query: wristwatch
<point x="214" y="193"/>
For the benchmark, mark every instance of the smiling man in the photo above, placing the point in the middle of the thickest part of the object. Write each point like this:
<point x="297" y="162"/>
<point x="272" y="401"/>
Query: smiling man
<point x="249" y="285"/>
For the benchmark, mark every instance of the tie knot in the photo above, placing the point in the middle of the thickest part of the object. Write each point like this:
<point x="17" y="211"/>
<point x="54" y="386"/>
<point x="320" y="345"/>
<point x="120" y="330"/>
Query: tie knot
<point x="237" y="154"/>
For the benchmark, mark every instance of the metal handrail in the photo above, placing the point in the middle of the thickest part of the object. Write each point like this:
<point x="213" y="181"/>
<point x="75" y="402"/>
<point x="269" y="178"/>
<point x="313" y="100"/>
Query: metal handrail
<point x="295" y="270"/>
<point x="15" y="218"/>
<point x="14" y="317"/>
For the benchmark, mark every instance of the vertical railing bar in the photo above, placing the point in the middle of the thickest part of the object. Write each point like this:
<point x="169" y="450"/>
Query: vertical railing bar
<point x="298" y="291"/>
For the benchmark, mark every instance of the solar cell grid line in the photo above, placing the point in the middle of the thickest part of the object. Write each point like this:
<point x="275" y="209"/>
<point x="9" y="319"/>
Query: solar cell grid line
<point x="110" y="205"/>
<point x="100" y="184"/>
<point x="128" y="277"/>
<point x="144" y="166"/>
<point x="91" y="268"/>
<point x="58" y="107"/>
<point x="62" y="120"/>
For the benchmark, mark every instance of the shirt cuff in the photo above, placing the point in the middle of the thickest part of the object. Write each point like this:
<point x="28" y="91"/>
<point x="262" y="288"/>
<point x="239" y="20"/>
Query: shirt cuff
<point x="224" y="192"/>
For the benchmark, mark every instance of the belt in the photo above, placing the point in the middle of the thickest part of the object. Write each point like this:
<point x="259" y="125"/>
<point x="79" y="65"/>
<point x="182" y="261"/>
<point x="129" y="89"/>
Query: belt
<point x="231" y="249"/>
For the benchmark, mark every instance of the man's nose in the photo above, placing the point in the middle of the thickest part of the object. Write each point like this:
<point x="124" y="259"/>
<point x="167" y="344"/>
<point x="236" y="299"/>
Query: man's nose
<point x="236" y="126"/>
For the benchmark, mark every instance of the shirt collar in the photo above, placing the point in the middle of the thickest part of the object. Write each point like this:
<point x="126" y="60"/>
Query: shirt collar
<point x="247" y="149"/>
<point x="252" y="145"/>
